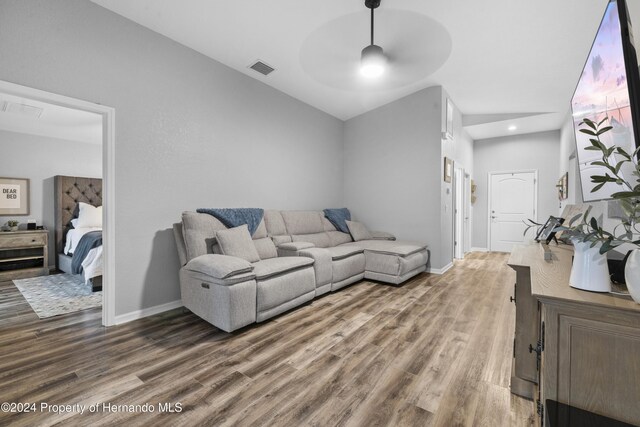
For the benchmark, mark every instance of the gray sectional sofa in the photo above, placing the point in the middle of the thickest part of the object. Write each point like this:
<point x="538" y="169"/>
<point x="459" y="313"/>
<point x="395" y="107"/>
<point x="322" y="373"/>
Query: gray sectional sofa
<point x="301" y="256"/>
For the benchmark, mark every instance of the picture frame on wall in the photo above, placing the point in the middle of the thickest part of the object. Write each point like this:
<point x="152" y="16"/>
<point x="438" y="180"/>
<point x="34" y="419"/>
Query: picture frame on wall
<point x="563" y="187"/>
<point x="448" y="133"/>
<point x="448" y="169"/>
<point x="14" y="196"/>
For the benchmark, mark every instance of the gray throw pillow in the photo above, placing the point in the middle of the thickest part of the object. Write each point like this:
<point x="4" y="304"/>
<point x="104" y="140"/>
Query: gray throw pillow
<point x="237" y="242"/>
<point x="358" y="231"/>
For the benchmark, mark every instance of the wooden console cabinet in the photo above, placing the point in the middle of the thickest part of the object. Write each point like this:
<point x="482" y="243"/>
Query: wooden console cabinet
<point x="23" y="254"/>
<point x="575" y="347"/>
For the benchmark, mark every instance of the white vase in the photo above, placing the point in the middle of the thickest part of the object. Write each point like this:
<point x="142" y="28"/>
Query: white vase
<point x="632" y="275"/>
<point x="590" y="271"/>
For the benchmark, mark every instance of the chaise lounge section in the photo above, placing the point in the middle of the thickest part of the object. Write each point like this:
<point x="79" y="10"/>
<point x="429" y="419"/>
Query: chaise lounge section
<point x="298" y="255"/>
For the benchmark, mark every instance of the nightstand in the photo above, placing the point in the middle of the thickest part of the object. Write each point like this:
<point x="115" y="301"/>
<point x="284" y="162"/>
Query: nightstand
<point x="23" y="254"/>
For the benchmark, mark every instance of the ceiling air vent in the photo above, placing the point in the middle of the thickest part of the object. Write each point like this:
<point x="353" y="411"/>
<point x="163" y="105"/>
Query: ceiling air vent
<point x="262" y="68"/>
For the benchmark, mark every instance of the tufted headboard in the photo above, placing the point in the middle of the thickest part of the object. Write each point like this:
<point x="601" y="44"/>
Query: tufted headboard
<point x="69" y="191"/>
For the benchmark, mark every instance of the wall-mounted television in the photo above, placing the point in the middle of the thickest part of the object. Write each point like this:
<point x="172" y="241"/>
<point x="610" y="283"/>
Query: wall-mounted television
<point x="608" y="87"/>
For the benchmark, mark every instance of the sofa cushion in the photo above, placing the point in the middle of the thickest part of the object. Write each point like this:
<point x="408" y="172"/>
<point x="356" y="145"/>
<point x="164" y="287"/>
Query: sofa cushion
<point x="219" y="266"/>
<point x="338" y="218"/>
<point x="328" y="226"/>
<point x="302" y="222"/>
<point x="391" y="247"/>
<point x="274" y="223"/>
<point x="237" y="242"/>
<point x="261" y="231"/>
<point x="349" y="267"/>
<point x="274" y="266"/>
<point x="395" y="265"/>
<point x="358" y="231"/>
<point x="338" y="237"/>
<point x="199" y="231"/>
<point x="341" y="252"/>
<point x="265" y="247"/>
<point x="320" y="240"/>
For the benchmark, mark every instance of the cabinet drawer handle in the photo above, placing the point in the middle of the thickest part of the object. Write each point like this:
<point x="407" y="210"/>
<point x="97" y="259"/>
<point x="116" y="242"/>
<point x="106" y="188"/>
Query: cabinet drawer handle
<point x="512" y="299"/>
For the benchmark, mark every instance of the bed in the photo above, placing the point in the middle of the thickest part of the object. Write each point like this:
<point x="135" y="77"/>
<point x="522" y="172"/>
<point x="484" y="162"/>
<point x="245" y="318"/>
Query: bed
<point x="69" y="192"/>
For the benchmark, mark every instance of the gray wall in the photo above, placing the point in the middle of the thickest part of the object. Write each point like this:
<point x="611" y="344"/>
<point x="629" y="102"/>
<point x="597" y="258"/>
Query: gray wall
<point x="190" y="132"/>
<point x="40" y="159"/>
<point x="392" y="159"/>
<point x="531" y="151"/>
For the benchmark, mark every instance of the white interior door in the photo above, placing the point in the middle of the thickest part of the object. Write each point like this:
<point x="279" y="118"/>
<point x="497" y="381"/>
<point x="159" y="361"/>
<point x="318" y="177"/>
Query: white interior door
<point x="458" y="240"/>
<point x="467" y="213"/>
<point x="512" y="201"/>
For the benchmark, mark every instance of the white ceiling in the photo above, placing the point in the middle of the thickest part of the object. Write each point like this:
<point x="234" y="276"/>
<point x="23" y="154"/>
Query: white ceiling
<point x="53" y="121"/>
<point x="492" y="56"/>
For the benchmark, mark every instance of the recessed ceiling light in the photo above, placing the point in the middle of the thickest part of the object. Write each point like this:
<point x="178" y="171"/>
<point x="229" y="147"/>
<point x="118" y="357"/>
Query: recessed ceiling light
<point x="512" y="128"/>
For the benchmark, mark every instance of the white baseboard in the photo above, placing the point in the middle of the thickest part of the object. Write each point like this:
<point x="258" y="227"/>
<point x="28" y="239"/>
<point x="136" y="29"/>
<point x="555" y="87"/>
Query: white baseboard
<point x="479" y="250"/>
<point x="145" y="312"/>
<point x="440" y="270"/>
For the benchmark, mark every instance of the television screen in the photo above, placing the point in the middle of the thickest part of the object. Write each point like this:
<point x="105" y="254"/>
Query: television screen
<point x="608" y="87"/>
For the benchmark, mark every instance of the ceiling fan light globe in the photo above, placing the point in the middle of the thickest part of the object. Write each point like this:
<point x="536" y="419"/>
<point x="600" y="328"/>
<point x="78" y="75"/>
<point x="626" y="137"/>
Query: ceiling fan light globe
<point x="373" y="62"/>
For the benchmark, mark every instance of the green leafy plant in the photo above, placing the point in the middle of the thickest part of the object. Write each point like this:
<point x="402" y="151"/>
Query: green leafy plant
<point x="12" y="223"/>
<point x="588" y="228"/>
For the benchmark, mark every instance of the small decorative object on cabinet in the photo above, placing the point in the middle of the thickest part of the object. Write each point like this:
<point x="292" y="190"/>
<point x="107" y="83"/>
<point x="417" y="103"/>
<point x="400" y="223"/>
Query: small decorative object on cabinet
<point x="632" y="275"/>
<point x="23" y="254"/>
<point x="590" y="270"/>
<point x="12" y="225"/>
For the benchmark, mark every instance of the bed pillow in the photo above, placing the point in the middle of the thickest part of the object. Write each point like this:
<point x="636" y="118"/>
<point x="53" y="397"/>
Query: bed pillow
<point x="359" y="231"/>
<point x="74" y="223"/>
<point x="337" y="217"/>
<point x="89" y="216"/>
<point x="237" y="242"/>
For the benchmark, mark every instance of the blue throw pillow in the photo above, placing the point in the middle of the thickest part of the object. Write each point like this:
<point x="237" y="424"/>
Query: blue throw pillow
<point x="338" y="218"/>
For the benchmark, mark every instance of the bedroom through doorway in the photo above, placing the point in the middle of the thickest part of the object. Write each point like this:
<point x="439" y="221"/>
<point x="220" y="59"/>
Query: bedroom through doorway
<point x="58" y="151"/>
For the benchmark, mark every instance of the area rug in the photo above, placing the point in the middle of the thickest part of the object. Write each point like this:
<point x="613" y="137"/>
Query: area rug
<point x="58" y="294"/>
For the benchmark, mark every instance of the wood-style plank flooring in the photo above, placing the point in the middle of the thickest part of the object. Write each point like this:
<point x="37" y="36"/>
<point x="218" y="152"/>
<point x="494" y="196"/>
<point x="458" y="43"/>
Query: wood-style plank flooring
<point x="434" y="351"/>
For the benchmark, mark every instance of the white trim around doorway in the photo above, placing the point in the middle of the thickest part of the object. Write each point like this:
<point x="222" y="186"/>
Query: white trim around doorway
<point x="108" y="181"/>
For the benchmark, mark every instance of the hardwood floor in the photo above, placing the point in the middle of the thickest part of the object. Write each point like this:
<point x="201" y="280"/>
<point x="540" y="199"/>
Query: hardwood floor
<point x="434" y="351"/>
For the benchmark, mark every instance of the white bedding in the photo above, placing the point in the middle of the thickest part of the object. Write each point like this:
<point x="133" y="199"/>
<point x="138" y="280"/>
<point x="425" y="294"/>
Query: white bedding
<point x="92" y="264"/>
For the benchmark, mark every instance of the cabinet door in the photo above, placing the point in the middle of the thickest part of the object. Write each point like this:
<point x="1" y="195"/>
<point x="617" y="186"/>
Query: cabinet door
<point x="526" y="327"/>
<point x="599" y="367"/>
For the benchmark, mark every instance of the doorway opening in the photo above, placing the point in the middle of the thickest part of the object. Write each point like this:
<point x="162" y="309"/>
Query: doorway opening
<point x="106" y="137"/>
<point x="461" y="208"/>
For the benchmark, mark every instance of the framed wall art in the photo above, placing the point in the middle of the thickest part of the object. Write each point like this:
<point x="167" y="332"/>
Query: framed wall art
<point x="14" y="196"/>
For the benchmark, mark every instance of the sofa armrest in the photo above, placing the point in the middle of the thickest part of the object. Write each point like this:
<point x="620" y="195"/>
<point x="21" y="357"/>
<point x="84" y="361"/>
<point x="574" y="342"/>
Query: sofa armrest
<point x="296" y="246"/>
<point x="382" y="235"/>
<point x="293" y="248"/>
<point x="322" y="264"/>
<point x="219" y="267"/>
